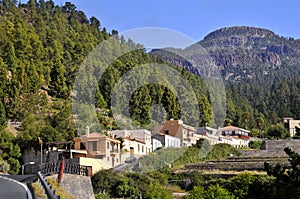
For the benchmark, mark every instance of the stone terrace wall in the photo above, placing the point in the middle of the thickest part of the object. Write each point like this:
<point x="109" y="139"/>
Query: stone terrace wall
<point x="79" y="186"/>
<point x="273" y="148"/>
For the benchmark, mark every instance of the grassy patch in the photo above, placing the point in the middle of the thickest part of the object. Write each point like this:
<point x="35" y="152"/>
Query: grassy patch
<point x="59" y="190"/>
<point x="38" y="190"/>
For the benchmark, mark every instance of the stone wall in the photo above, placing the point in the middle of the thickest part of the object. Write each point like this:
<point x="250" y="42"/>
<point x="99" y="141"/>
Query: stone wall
<point x="273" y="148"/>
<point x="79" y="186"/>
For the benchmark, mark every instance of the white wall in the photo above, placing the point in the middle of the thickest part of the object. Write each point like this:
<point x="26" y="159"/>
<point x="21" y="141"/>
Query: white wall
<point x="171" y="141"/>
<point x="156" y="144"/>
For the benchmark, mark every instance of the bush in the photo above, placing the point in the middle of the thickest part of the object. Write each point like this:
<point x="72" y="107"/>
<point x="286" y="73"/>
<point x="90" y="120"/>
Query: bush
<point x="239" y="185"/>
<point x="278" y="131"/>
<point x="220" y="151"/>
<point x="255" y="144"/>
<point x="105" y="181"/>
<point x="156" y="191"/>
<point x="213" y="192"/>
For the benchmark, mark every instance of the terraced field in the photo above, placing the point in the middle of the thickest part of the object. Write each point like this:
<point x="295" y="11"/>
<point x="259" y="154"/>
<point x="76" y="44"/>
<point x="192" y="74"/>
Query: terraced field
<point x="238" y="164"/>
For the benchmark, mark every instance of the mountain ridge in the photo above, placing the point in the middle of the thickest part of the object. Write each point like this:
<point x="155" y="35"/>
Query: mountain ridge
<point x="241" y="53"/>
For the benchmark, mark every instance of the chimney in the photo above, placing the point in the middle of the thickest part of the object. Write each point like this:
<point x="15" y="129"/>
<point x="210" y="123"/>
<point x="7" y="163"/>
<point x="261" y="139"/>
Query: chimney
<point x="87" y="131"/>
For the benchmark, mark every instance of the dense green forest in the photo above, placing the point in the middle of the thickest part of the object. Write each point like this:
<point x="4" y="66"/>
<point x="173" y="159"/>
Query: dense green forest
<point x="42" y="48"/>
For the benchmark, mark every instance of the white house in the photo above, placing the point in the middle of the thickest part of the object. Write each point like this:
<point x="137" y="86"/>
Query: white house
<point x="167" y="140"/>
<point x="235" y="141"/>
<point x="213" y="139"/>
<point x="156" y="144"/>
<point x="233" y="131"/>
<point x="141" y="135"/>
<point x="206" y="130"/>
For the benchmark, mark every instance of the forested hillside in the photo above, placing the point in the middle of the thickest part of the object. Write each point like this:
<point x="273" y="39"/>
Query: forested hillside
<point x="42" y="47"/>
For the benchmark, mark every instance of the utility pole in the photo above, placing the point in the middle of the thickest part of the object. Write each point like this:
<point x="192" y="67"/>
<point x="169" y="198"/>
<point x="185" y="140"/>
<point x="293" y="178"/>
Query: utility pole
<point x="41" y="143"/>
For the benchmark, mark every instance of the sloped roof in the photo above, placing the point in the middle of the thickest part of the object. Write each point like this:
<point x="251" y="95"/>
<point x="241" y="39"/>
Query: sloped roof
<point x="96" y="135"/>
<point x="233" y="128"/>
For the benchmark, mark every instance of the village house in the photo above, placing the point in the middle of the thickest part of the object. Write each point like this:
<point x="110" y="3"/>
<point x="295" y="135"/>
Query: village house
<point x="136" y="142"/>
<point x="206" y="130"/>
<point x="165" y="140"/>
<point x="233" y="131"/>
<point x="291" y="124"/>
<point x="101" y="147"/>
<point x="176" y="128"/>
<point x="212" y="139"/>
<point x="234" y="136"/>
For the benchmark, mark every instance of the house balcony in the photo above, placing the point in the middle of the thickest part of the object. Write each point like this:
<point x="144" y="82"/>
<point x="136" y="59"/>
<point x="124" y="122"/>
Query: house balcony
<point x="114" y="151"/>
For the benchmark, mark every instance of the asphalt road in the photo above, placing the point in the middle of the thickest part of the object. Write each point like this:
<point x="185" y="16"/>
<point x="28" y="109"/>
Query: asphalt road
<point x="11" y="189"/>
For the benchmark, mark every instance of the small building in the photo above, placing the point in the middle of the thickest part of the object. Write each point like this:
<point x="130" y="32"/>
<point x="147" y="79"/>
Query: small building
<point x="291" y="124"/>
<point x="233" y="131"/>
<point x="167" y="141"/>
<point x="235" y="141"/>
<point x="212" y="139"/>
<point x="101" y="147"/>
<point x="206" y="130"/>
<point x="176" y="128"/>
<point x="134" y="147"/>
<point x="141" y="137"/>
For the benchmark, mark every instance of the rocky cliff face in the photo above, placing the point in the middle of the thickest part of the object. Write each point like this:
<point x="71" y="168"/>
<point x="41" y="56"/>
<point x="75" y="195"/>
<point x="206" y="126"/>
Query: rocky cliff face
<point x="241" y="53"/>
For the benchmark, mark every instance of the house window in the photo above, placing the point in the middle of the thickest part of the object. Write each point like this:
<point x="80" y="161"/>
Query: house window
<point x="166" y="132"/>
<point x="138" y="147"/>
<point x="142" y="149"/>
<point x="107" y="143"/>
<point x="107" y="158"/>
<point x="233" y="132"/>
<point x="95" y="148"/>
<point x="82" y="145"/>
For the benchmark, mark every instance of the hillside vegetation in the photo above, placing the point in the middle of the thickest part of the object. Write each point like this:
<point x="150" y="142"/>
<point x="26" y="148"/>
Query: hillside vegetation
<point x="42" y="49"/>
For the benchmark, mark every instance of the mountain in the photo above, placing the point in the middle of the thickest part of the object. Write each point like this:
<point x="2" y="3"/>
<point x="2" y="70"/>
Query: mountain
<point x="241" y="53"/>
<point x="246" y="52"/>
<point x="260" y="70"/>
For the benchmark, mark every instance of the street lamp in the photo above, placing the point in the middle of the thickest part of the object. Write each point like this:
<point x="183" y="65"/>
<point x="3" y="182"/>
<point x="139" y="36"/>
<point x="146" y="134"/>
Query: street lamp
<point x="23" y="166"/>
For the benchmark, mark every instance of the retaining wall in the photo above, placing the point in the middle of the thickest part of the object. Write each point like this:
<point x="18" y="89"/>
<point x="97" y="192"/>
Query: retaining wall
<point x="79" y="186"/>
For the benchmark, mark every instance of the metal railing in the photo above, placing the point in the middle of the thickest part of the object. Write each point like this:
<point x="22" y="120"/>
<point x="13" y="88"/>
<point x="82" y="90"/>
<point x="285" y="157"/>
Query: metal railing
<point x="47" y="188"/>
<point x="71" y="168"/>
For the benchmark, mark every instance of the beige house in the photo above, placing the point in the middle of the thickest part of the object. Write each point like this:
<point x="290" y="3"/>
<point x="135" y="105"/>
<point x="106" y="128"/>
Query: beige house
<point x="291" y="124"/>
<point x="176" y="128"/>
<point x="101" y="147"/>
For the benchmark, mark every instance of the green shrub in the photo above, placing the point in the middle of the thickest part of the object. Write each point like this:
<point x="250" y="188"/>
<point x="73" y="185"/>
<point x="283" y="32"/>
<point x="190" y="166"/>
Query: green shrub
<point x="255" y="144"/>
<point x="220" y="151"/>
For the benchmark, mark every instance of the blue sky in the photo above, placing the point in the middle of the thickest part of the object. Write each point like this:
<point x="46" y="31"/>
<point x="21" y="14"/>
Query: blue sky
<point x="195" y="18"/>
